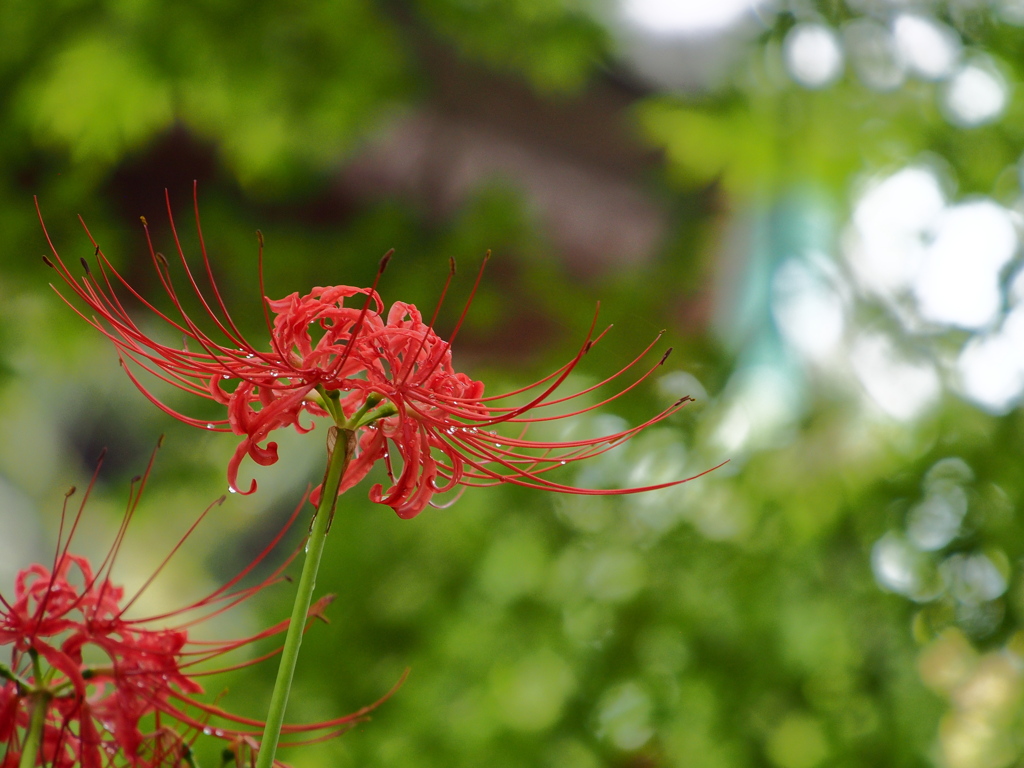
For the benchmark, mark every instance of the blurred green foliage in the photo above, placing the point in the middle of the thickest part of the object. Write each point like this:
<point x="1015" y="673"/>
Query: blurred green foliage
<point x="776" y="612"/>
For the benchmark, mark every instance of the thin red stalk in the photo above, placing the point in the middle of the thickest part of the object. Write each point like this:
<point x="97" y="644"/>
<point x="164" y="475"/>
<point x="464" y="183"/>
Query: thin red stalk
<point x="174" y="550"/>
<point x="59" y="555"/>
<point x="232" y="598"/>
<point x="206" y="258"/>
<point x="358" y="326"/>
<point x="430" y="326"/>
<point x="191" y="277"/>
<point x="469" y="301"/>
<point x="166" y="409"/>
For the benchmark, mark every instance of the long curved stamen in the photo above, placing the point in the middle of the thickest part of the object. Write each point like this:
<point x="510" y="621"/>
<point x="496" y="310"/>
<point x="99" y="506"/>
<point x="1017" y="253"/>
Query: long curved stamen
<point x="61" y="553"/>
<point x="236" y="340"/>
<point x="358" y="327"/>
<point x="209" y="267"/>
<point x="465" y="310"/>
<point x="469" y="300"/>
<point x="263" y="301"/>
<point x="425" y="437"/>
<point x="430" y="326"/>
<point x="89" y="711"/>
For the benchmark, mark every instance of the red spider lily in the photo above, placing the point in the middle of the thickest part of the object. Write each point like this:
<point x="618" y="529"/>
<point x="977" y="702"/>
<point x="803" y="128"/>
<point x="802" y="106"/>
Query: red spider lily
<point x="118" y="690"/>
<point x="390" y="380"/>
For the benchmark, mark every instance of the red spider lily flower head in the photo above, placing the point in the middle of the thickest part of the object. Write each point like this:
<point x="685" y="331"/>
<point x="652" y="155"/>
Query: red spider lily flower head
<point x="119" y="690"/>
<point x="387" y="378"/>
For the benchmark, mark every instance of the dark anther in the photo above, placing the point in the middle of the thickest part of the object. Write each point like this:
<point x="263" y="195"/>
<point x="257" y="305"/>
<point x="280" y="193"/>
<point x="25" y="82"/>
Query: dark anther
<point x="385" y="259"/>
<point x="259" y="237"/>
<point x="85" y="266"/>
<point x="143" y="220"/>
<point x="665" y="356"/>
<point x="48" y="263"/>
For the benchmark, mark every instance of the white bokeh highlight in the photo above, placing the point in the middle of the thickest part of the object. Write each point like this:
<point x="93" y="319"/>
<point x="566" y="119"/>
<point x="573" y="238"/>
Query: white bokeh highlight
<point x="990" y="368"/>
<point x="901" y="388"/>
<point x="760" y="404"/>
<point x="892" y="222"/>
<point x="813" y="55"/>
<point x="958" y="282"/>
<point x="975" y="95"/>
<point x="686" y="17"/>
<point x="929" y="48"/>
<point x="808" y="308"/>
<point x="938" y="266"/>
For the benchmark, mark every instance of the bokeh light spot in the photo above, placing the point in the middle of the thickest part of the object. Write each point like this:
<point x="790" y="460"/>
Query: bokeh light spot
<point x="930" y="48"/>
<point x="807" y="309"/>
<point x="901" y="388"/>
<point x="959" y="280"/>
<point x="902" y="568"/>
<point x="624" y="716"/>
<point x="813" y="55"/>
<point x="892" y="220"/>
<point x="990" y="368"/>
<point x="973" y="578"/>
<point x="936" y="520"/>
<point x="975" y="95"/>
<point x="685" y="17"/>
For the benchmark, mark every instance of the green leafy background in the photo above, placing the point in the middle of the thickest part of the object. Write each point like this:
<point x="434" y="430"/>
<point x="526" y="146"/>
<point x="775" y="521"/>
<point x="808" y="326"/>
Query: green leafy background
<point x="733" y="621"/>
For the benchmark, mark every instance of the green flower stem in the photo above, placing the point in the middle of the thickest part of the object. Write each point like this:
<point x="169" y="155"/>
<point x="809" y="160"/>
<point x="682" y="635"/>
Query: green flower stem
<point x="35" y="729"/>
<point x="339" y="454"/>
<point x="23" y="684"/>
<point x="34" y="738"/>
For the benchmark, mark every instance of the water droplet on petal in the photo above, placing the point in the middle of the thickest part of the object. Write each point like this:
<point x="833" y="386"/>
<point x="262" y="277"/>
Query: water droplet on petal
<point x="232" y="489"/>
<point x="209" y="426"/>
<point x="207" y="731"/>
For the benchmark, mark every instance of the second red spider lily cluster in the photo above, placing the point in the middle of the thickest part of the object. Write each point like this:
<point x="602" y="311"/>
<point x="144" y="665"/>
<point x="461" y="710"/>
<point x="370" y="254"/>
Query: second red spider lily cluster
<point x="387" y="377"/>
<point x="91" y="686"/>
